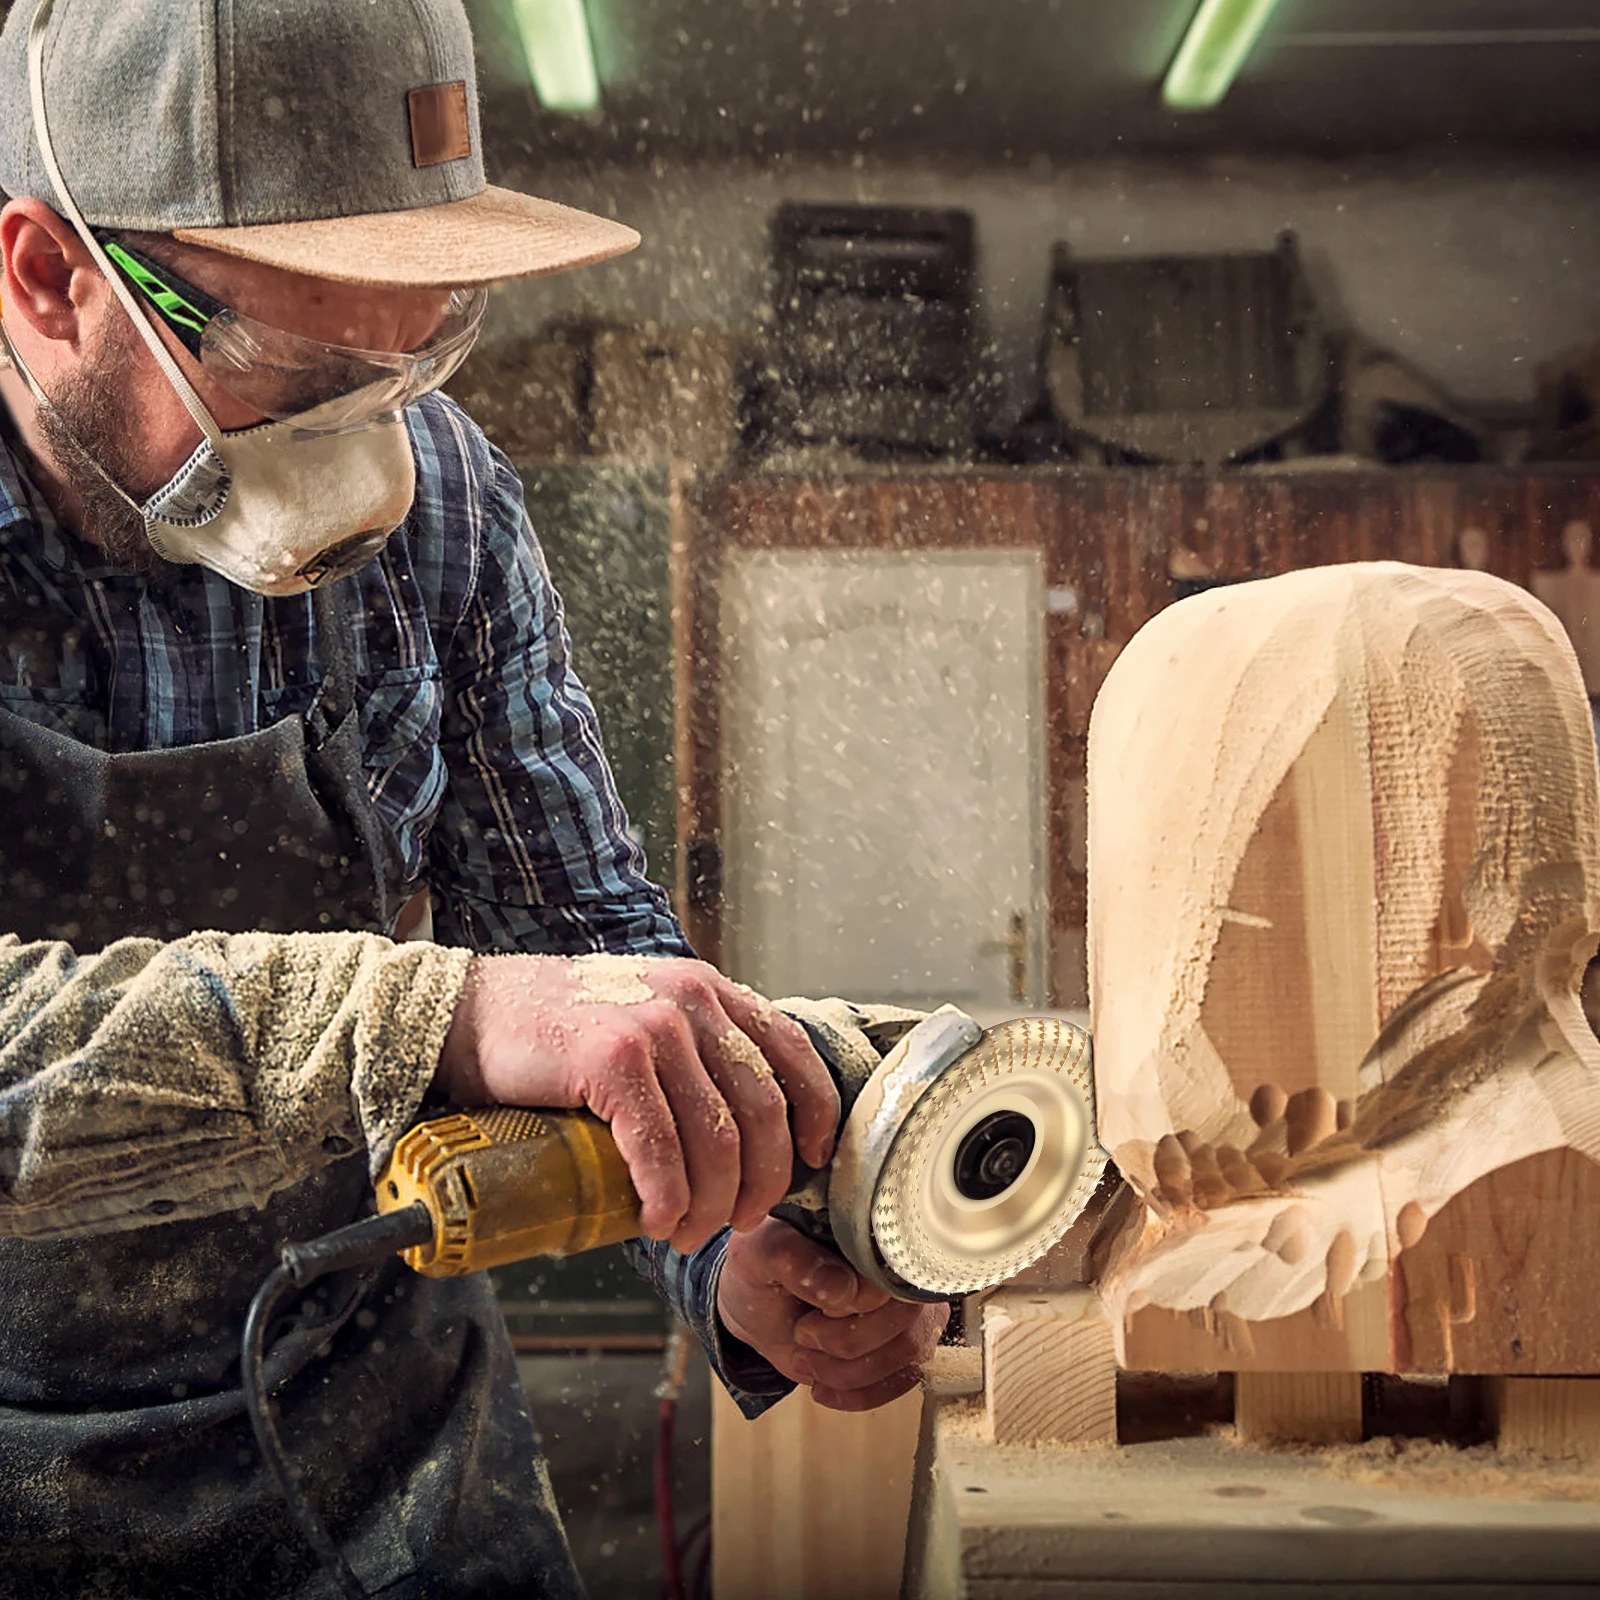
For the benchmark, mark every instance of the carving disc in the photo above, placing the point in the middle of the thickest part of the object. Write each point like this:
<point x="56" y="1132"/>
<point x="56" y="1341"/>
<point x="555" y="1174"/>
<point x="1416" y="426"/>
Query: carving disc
<point x="994" y="1162"/>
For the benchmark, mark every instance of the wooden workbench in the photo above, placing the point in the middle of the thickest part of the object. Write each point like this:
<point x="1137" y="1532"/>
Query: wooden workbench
<point x="1203" y="1518"/>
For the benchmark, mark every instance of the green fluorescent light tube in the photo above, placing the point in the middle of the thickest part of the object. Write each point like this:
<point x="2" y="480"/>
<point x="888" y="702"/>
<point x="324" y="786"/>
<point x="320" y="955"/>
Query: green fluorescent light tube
<point x="1218" y="42"/>
<point x="555" y="38"/>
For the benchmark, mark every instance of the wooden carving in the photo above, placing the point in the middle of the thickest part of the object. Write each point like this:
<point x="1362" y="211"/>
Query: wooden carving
<point x="1344" y="878"/>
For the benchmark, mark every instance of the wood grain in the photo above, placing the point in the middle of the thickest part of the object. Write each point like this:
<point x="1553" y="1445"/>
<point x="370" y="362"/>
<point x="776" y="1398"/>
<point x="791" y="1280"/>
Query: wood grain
<point x="1049" y="1369"/>
<point x="810" y="1504"/>
<point x="1556" y="1417"/>
<point x="1490" y="1286"/>
<point x="1299" y="1407"/>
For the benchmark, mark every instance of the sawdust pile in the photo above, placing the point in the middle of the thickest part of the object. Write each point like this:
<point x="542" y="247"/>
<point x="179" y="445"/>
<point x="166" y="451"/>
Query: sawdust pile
<point x="1432" y="1466"/>
<point x="965" y="1419"/>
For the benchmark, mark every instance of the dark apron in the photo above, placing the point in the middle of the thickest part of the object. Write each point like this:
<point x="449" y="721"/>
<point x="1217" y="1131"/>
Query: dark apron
<point x="127" y="1466"/>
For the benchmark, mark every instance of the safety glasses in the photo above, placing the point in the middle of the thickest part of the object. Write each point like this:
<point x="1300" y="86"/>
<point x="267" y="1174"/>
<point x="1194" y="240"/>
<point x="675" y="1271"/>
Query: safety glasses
<point x="283" y="375"/>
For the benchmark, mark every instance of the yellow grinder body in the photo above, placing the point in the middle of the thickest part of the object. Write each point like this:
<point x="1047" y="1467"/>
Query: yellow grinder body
<point x="964" y="1155"/>
<point x="504" y="1183"/>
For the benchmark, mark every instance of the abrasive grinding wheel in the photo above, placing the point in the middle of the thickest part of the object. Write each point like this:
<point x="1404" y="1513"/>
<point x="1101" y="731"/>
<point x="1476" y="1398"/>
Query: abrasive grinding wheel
<point x="968" y="1155"/>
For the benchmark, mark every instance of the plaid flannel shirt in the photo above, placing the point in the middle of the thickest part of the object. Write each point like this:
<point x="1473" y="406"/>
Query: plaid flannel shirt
<point x="482" y="753"/>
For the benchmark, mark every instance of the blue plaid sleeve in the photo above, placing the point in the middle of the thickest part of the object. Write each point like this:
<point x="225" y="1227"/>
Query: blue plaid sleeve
<point x="689" y="1285"/>
<point x="530" y="850"/>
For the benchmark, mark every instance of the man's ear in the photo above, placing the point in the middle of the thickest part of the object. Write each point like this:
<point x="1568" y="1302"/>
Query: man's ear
<point x="48" y="274"/>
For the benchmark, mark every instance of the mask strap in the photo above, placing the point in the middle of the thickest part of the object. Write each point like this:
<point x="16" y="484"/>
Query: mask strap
<point x="174" y="373"/>
<point x="13" y="358"/>
<point x="11" y="354"/>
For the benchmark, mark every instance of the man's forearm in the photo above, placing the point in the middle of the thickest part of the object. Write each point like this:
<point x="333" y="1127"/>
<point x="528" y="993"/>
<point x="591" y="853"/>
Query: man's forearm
<point x="149" y="1081"/>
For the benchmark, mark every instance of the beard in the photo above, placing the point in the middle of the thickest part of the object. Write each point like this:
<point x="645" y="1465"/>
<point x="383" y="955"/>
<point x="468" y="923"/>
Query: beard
<point x="86" y="428"/>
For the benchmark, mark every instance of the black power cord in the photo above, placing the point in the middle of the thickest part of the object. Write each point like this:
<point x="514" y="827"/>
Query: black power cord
<point x="362" y="1244"/>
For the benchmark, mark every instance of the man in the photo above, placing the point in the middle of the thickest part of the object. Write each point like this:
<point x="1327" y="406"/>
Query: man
<point x="278" y="653"/>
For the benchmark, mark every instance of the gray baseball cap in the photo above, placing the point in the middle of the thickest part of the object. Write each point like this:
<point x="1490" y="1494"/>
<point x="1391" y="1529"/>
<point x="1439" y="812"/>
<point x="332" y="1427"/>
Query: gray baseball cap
<point x="333" y="137"/>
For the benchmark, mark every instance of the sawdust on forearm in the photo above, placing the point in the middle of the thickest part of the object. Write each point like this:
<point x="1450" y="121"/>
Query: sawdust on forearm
<point x="150" y="1082"/>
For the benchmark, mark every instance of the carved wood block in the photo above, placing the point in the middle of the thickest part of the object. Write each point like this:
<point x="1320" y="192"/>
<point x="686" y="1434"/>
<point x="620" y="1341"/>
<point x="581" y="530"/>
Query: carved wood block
<point x="1350" y="1333"/>
<point x="1344" y="879"/>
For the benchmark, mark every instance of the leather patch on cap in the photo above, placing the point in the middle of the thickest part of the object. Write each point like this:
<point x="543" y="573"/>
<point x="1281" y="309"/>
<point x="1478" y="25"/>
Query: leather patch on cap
<point x="440" y="127"/>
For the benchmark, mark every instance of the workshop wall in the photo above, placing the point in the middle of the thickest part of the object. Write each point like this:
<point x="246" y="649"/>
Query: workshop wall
<point x="1117" y="548"/>
<point x="1477" y="272"/>
<point x="1474" y="270"/>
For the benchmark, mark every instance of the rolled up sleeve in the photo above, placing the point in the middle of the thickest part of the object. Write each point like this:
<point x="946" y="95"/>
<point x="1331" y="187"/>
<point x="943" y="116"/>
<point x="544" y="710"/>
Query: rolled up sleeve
<point x="151" y="1082"/>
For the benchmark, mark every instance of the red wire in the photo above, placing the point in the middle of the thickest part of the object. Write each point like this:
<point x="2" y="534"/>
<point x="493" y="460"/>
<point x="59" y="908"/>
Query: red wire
<point x="698" y="1539"/>
<point x="666" y="1520"/>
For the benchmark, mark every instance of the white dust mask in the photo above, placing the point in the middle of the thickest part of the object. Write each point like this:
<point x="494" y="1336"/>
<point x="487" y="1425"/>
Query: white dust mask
<point x="280" y="508"/>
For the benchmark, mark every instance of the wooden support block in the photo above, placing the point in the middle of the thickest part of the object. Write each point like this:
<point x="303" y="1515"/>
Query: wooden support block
<point x="810" y="1504"/>
<point x="1050" y="1369"/>
<point x="1546" y="1416"/>
<point x="1298" y="1407"/>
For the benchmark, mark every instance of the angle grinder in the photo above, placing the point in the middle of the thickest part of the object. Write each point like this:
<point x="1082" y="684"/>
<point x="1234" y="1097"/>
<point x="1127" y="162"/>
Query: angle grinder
<point x="963" y="1155"/>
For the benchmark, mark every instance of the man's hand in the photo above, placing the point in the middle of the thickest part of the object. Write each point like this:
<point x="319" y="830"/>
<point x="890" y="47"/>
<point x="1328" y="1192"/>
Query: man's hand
<point x="819" y="1323"/>
<point x="698" y="1076"/>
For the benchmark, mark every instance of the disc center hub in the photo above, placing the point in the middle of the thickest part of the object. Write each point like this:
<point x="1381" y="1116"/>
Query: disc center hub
<point x="992" y="1155"/>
